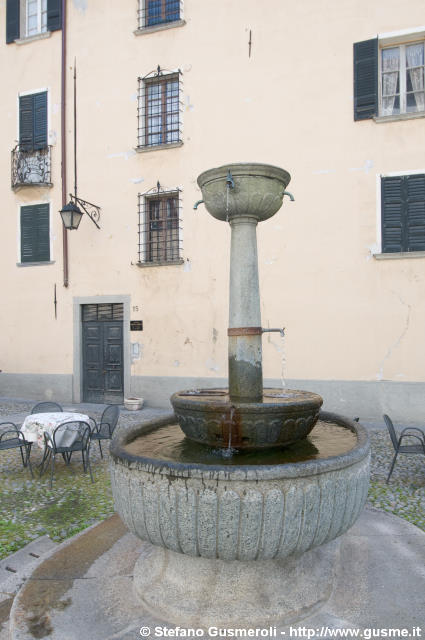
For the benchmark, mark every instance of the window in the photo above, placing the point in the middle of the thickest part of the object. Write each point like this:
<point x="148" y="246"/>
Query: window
<point x="35" y="236"/>
<point x="389" y="76"/>
<point x="402" y="79"/>
<point x="158" y="12"/>
<point x="403" y="213"/>
<point x="36" y="17"/>
<point x="31" y="158"/>
<point x="159" y="110"/>
<point x="33" y="121"/>
<point x="159" y="227"/>
<point x="28" y="18"/>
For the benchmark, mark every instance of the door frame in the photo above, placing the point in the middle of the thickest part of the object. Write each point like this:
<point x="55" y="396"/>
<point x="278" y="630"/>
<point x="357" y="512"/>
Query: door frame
<point x="77" y="381"/>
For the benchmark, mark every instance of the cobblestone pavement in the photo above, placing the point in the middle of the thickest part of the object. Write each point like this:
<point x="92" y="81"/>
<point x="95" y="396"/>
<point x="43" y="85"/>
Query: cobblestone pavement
<point x="29" y="508"/>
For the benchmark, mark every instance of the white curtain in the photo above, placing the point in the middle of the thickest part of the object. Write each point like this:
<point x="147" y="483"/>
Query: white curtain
<point x="390" y="77"/>
<point x="415" y="71"/>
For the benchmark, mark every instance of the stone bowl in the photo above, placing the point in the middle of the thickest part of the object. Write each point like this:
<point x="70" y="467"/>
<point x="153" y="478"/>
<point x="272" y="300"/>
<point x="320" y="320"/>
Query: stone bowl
<point x="257" y="192"/>
<point x="237" y="546"/>
<point x="208" y="416"/>
<point x="246" y="513"/>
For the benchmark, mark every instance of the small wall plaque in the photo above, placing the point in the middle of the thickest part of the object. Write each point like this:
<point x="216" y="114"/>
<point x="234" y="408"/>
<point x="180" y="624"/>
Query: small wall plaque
<point x="136" y="325"/>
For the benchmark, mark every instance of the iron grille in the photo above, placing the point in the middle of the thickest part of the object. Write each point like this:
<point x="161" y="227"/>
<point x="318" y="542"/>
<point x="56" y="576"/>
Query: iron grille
<point x="31" y="167"/>
<point x="102" y="312"/>
<point x="159" y="109"/>
<point x="156" y="12"/>
<point x="160" y="237"/>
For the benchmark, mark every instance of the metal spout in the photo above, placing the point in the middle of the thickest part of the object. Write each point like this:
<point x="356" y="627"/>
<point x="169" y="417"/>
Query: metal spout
<point x="196" y="205"/>
<point x="291" y="197"/>
<point x="281" y="331"/>
<point x="230" y="183"/>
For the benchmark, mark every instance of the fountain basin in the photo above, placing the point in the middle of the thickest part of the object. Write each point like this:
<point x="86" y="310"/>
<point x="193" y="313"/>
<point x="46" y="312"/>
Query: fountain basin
<point x="245" y="543"/>
<point x="282" y="417"/>
<point x="257" y="191"/>
<point x="246" y="513"/>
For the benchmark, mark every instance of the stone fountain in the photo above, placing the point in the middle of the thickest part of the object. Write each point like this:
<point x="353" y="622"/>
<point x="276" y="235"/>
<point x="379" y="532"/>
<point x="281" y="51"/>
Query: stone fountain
<point x="241" y="503"/>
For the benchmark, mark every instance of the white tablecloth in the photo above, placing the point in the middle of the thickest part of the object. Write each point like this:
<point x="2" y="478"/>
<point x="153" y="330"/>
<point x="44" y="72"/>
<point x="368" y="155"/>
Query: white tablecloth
<point x="36" y="424"/>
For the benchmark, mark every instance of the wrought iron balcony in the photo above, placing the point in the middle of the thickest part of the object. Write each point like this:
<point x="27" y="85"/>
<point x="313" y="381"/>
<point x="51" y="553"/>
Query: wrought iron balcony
<point x="31" y="168"/>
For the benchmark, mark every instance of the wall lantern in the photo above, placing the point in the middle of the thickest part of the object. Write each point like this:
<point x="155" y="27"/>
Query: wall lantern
<point x="71" y="213"/>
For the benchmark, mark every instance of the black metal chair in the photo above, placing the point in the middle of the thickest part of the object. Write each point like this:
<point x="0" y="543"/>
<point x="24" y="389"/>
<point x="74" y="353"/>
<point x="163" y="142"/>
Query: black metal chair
<point x="46" y="407"/>
<point x="53" y="446"/>
<point x="13" y="438"/>
<point x="406" y="448"/>
<point x="104" y="429"/>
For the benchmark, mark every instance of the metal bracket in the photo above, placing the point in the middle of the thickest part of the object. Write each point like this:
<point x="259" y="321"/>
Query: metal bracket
<point x="92" y="210"/>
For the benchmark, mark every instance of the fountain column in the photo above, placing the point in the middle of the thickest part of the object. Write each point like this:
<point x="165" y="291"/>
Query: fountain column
<point x="245" y="356"/>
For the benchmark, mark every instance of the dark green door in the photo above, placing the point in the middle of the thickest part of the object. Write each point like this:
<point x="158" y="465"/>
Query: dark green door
<point x="103" y="370"/>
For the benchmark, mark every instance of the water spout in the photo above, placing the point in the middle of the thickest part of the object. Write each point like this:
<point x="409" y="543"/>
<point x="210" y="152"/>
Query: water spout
<point x="291" y="197"/>
<point x="196" y="205"/>
<point x="281" y="331"/>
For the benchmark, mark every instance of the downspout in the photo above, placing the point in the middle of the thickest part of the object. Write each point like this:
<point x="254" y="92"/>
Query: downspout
<point x="63" y="145"/>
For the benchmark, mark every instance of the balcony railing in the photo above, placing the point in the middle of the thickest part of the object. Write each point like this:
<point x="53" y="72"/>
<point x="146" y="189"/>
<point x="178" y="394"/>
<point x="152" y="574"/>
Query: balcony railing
<point x="31" y="168"/>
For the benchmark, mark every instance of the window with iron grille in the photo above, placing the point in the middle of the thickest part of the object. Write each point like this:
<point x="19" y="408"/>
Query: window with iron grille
<point x="159" y="110"/>
<point x="152" y="13"/>
<point x="159" y="227"/>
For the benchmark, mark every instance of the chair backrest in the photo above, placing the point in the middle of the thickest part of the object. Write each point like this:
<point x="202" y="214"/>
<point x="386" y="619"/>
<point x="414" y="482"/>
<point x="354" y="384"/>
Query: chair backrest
<point x="11" y="425"/>
<point x="110" y="416"/>
<point x="46" y="407"/>
<point x="11" y="434"/>
<point x="391" y="430"/>
<point x="83" y="433"/>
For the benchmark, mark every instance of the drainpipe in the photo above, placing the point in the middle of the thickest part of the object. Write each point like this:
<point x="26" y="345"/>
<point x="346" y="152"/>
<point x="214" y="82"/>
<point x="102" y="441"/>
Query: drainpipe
<point x="63" y="144"/>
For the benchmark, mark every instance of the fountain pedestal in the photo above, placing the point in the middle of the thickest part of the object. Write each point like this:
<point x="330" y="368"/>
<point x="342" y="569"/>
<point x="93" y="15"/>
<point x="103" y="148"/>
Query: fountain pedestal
<point x="245" y="333"/>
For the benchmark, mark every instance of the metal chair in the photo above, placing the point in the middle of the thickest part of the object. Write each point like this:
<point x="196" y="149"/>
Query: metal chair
<point x="406" y="448"/>
<point x="46" y="407"/>
<point x="55" y="444"/>
<point x="13" y="438"/>
<point x="104" y="429"/>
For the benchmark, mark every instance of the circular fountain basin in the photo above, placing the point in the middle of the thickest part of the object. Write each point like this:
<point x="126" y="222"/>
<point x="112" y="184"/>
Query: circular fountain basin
<point x="283" y="416"/>
<point x="257" y="191"/>
<point x="226" y="543"/>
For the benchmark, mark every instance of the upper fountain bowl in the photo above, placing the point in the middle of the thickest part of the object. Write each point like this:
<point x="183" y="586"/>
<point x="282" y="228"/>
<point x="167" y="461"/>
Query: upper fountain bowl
<point x="243" y="189"/>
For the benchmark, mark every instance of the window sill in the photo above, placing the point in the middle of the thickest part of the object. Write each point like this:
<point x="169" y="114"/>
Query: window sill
<point x="34" y="264"/>
<point x="166" y="263"/>
<point x="37" y="36"/>
<point x="156" y="147"/>
<point x="399" y="256"/>
<point x="401" y="116"/>
<point x="159" y="27"/>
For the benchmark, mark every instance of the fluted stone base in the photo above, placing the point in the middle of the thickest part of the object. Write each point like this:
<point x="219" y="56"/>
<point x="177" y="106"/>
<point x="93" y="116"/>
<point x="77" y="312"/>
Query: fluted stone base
<point x="203" y="592"/>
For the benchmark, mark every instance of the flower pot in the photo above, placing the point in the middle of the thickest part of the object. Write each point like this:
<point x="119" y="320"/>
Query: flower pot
<point x="133" y="404"/>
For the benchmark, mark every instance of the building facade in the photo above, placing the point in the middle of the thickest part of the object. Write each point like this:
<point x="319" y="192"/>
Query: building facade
<point x="137" y="304"/>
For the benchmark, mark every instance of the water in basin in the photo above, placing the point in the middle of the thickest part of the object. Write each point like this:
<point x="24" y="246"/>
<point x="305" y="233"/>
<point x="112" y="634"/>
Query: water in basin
<point x="170" y="444"/>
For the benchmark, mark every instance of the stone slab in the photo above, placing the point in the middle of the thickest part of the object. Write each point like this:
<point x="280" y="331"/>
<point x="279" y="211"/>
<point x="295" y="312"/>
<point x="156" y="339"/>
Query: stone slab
<point x="84" y="588"/>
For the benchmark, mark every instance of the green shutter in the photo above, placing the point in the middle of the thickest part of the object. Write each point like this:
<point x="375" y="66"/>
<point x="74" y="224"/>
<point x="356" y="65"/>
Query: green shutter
<point x="403" y="213"/>
<point x="33" y="121"/>
<point x="366" y="79"/>
<point x="26" y="123"/>
<point x="415" y="212"/>
<point x="40" y="120"/>
<point x="35" y="240"/>
<point x="54" y="15"/>
<point x="12" y="20"/>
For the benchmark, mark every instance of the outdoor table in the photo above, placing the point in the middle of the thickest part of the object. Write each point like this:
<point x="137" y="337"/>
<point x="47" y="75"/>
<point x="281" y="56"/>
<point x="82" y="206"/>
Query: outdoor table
<point x="36" y="424"/>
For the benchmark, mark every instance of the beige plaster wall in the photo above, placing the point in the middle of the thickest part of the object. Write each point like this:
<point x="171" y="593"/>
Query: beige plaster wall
<point x="347" y="315"/>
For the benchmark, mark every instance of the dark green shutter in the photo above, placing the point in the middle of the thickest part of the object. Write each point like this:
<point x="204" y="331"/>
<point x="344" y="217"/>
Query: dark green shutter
<point x="365" y="79"/>
<point x="54" y="15"/>
<point x="35" y="241"/>
<point x="415" y="212"/>
<point x="403" y="213"/>
<point x="12" y="20"/>
<point x="33" y="121"/>
<point x="40" y="120"/>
